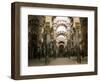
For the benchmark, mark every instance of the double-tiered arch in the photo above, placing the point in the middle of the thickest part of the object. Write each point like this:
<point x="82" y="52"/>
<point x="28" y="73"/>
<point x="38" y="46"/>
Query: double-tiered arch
<point x="61" y="27"/>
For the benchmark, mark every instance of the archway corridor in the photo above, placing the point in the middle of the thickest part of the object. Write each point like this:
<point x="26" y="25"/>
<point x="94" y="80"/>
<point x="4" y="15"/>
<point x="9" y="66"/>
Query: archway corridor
<point x="57" y="40"/>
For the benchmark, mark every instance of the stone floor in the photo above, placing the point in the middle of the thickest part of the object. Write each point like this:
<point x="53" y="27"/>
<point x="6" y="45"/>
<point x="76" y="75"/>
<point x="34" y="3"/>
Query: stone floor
<point x="55" y="61"/>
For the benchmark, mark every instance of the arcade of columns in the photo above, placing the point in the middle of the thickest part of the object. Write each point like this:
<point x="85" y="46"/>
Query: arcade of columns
<point x="51" y="36"/>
